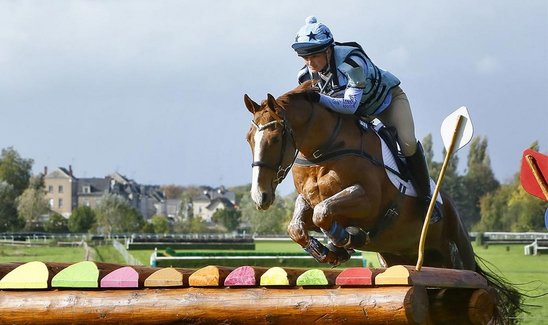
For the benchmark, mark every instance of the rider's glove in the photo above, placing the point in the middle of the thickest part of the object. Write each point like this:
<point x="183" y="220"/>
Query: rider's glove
<point x="313" y="96"/>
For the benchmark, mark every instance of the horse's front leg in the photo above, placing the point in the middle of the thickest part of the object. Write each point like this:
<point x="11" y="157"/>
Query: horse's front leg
<point x="343" y="206"/>
<point x="298" y="229"/>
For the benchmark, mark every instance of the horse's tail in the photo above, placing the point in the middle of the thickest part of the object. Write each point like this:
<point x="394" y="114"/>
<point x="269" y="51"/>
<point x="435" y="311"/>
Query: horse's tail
<point x="509" y="300"/>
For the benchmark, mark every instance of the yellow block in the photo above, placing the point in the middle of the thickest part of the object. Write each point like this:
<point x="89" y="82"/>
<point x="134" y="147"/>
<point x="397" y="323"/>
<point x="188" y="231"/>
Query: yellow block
<point x="166" y="277"/>
<point x="31" y="275"/>
<point x="394" y="275"/>
<point x="275" y="276"/>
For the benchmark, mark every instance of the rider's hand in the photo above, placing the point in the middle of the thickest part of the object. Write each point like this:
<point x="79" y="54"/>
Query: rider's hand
<point x="313" y="95"/>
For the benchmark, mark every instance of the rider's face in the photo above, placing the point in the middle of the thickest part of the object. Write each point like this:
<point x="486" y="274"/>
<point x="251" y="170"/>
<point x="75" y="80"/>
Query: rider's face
<point x="316" y="62"/>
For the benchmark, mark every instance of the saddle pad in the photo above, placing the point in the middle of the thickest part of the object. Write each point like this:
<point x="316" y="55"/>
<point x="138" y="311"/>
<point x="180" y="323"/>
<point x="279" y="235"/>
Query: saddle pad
<point x="405" y="187"/>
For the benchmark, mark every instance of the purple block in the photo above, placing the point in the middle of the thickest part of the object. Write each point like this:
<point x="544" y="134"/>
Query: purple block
<point x="125" y="277"/>
<point x="242" y="276"/>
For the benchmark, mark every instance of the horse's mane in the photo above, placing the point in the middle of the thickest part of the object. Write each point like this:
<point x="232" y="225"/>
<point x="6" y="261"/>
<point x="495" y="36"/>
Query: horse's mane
<point x="300" y="90"/>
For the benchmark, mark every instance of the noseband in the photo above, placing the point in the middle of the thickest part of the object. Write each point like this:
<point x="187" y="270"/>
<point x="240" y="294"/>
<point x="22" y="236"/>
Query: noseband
<point x="281" y="172"/>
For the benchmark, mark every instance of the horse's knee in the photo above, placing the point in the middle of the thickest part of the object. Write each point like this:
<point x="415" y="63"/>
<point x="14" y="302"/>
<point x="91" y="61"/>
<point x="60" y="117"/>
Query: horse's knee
<point x="321" y="217"/>
<point x="297" y="233"/>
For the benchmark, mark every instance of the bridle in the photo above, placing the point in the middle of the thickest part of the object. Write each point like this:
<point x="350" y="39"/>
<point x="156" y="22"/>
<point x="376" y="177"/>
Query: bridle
<point x="281" y="171"/>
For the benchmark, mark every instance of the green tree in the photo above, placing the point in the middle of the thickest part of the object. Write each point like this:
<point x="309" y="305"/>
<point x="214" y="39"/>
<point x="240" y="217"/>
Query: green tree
<point x="115" y="215"/>
<point x="478" y="181"/>
<point x="56" y="224"/>
<point x="192" y="225"/>
<point x="9" y="220"/>
<point x="229" y="218"/>
<point x="271" y="221"/>
<point x="160" y="224"/>
<point x="32" y="203"/>
<point x="15" y="170"/>
<point x="81" y="220"/>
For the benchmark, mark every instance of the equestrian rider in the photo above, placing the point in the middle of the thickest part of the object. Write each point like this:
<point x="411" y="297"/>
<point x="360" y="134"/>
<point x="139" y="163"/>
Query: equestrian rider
<point x="349" y="83"/>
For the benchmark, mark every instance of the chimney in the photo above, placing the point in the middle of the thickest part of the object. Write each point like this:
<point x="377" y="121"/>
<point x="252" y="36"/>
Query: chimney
<point x="45" y="170"/>
<point x="70" y="170"/>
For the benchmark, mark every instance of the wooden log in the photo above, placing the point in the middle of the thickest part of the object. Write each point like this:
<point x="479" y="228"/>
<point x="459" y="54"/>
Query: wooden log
<point x="430" y="277"/>
<point x="375" y="305"/>
<point x="461" y="306"/>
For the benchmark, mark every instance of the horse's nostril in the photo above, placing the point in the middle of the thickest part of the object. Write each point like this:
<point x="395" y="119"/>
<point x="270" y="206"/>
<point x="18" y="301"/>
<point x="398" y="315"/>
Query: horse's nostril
<point x="265" y="197"/>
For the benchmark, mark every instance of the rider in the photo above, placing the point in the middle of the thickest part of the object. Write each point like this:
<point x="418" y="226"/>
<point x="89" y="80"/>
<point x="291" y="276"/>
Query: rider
<point x="349" y="83"/>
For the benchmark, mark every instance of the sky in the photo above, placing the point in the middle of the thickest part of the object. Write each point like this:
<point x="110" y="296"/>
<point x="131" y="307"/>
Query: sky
<point x="154" y="89"/>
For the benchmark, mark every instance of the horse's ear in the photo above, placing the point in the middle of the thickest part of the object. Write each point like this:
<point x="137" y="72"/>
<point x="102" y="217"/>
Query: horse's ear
<point x="250" y="104"/>
<point x="271" y="101"/>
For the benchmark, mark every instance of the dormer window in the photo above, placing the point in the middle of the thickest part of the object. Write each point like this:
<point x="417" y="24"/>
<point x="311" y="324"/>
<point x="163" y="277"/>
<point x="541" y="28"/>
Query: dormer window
<point x="86" y="189"/>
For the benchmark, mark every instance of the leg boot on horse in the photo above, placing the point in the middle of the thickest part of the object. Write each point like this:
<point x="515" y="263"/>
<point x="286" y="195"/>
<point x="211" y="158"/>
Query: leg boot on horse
<point x="421" y="180"/>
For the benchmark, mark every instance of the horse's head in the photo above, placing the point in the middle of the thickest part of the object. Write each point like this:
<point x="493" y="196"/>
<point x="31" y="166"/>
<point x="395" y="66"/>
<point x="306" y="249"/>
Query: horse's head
<point x="272" y="146"/>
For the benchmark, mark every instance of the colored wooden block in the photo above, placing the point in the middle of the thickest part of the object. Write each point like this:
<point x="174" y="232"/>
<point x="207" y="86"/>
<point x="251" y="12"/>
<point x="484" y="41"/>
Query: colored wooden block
<point x="430" y="277"/>
<point x="355" y="276"/>
<point x="209" y="276"/>
<point x="166" y="277"/>
<point x="124" y="277"/>
<point x="31" y="275"/>
<point x="243" y="276"/>
<point x="275" y="276"/>
<point x="80" y="275"/>
<point x="314" y="277"/>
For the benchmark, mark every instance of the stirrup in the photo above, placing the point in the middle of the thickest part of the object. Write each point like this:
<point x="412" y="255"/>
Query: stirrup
<point x="437" y="214"/>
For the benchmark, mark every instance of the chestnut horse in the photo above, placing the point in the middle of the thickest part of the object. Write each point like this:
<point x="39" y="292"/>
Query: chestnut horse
<point x="344" y="189"/>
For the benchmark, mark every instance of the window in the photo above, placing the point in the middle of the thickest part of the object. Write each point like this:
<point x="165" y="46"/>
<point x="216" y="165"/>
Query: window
<point x="51" y="202"/>
<point x="60" y="203"/>
<point x="60" y="189"/>
<point x="86" y="189"/>
<point x="50" y="189"/>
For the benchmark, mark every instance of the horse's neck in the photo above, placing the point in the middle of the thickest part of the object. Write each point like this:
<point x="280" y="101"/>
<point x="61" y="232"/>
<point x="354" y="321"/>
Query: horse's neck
<point x="315" y="128"/>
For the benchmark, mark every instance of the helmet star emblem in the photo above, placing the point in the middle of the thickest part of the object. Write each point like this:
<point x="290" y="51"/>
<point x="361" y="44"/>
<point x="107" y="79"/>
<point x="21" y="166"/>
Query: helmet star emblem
<point x="311" y="36"/>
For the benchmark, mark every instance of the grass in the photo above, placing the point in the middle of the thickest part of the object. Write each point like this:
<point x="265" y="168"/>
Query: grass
<point x="528" y="273"/>
<point x="41" y="253"/>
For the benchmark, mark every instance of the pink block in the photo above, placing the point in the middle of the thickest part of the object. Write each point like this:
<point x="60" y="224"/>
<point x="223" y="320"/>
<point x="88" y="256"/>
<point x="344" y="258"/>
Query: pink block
<point x="242" y="276"/>
<point x="125" y="277"/>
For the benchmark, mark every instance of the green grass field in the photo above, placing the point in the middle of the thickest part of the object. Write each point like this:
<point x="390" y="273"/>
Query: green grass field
<point x="529" y="273"/>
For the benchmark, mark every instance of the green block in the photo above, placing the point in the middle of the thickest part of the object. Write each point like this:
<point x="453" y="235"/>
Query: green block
<point x="314" y="277"/>
<point x="80" y="275"/>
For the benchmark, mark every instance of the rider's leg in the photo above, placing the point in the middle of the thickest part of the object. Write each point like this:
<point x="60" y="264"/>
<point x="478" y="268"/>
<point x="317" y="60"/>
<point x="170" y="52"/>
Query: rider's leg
<point x="399" y="116"/>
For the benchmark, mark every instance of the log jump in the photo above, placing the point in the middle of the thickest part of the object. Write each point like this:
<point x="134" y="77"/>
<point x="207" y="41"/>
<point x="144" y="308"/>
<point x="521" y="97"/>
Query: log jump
<point x="87" y="292"/>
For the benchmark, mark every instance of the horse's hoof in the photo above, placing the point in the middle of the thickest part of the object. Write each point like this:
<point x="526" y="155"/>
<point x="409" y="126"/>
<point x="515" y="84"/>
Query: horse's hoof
<point x="341" y="255"/>
<point x="358" y="237"/>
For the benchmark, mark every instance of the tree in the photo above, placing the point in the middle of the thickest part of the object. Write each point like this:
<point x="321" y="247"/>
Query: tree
<point x="116" y="215"/>
<point x="81" y="220"/>
<point x="478" y="181"/>
<point x="15" y="170"/>
<point x="160" y="224"/>
<point x="172" y="191"/>
<point x="229" y="218"/>
<point x="271" y="221"/>
<point x="32" y="203"/>
<point x="56" y="224"/>
<point x="9" y="221"/>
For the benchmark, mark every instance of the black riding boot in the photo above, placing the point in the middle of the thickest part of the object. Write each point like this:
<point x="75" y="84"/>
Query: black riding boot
<point x="421" y="181"/>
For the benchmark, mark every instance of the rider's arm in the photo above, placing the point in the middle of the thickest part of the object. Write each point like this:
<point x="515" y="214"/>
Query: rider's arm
<point x="354" y="71"/>
<point x="346" y="105"/>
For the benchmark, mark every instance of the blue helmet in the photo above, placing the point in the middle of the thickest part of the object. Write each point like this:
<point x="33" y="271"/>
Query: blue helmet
<point x="312" y="38"/>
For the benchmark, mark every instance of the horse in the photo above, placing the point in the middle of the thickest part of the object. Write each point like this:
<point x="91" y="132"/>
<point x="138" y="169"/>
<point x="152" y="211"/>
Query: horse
<point x="345" y="192"/>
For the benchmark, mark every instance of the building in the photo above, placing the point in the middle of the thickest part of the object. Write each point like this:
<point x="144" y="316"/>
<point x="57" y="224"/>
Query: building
<point x="64" y="192"/>
<point x="211" y="200"/>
